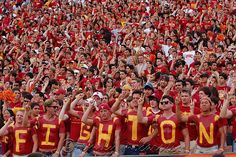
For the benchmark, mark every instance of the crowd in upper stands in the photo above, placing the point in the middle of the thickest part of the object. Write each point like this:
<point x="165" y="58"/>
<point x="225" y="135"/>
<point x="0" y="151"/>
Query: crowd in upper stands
<point x="117" y="77"/>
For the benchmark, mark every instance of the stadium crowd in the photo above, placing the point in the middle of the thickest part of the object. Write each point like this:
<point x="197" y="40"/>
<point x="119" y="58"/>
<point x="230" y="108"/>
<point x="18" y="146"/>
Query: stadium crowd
<point x="117" y="77"/>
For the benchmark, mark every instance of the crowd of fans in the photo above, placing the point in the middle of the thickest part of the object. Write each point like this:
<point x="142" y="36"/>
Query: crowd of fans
<point x="117" y="77"/>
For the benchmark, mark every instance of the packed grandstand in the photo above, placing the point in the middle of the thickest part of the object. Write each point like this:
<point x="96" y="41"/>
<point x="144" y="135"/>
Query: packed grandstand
<point x="117" y="77"/>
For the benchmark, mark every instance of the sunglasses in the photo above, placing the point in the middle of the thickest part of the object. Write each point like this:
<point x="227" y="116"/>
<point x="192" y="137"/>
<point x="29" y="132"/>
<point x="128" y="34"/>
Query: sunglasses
<point x="164" y="102"/>
<point x="54" y="107"/>
<point x="26" y="100"/>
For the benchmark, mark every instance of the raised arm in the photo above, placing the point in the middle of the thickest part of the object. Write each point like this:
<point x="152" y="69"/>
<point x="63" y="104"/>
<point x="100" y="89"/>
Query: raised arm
<point x="141" y="118"/>
<point x="85" y="118"/>
<point x="62" y="114"/>
<point x="3" y="130"/>
<point x="225" y="112"/>
<point x="180" y="117"/>
<point x="115" y="107"/>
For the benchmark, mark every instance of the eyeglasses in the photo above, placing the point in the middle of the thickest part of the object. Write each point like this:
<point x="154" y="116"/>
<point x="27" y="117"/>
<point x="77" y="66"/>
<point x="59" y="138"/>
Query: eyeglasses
<point x="54" y="107"/>
<point x="26" y="100"/>
<point x="164" y="102"/>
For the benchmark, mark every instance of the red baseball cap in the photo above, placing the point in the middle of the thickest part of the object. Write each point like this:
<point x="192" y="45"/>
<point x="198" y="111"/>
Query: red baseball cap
<point x="104" y="106"/>
<point x="60" y="91"/>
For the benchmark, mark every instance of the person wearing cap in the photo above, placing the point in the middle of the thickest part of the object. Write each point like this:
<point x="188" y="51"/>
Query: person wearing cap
<point x="60" y="93"/>
<point x="105" y="134"/>
<point x="50" y="129"/>
<point x="148" y="91"/>
<point x="97" y="96"/>
<point x="208" y="126"/>
<point x="24" y="139"/>
<point x="170" y="145"/>
<point x="132" y="131"/>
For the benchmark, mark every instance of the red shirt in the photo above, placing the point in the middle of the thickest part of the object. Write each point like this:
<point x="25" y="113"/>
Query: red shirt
<point x="75" y="124"/>
<point x="207" y="128"/>
<point x="48" y="132"/>
<point x="169" y="130"/>
<point x="22" y="139"/>
<point x="105" y="134"/>
<point x="191" y="126"/>
<point x="134" y="131"/>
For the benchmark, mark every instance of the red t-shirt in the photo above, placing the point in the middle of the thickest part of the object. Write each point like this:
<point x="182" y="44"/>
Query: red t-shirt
<point x="169" y="130"/>
<point x="105" y="134"/>
<point x="75" y="125"/>
<point x="22" y="139"/>
<point x="191" y="126"/>
<point x="48" y="132"/>
<point x="207" y="128"/>
<point x="134" y="131"/>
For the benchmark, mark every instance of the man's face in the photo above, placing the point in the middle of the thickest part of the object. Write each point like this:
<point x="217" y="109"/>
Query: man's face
<point x="178" y="86"/>
<point x="165" y="104"/>
<point x="163" y="83"/>
<point x="148" y="92"/>
<point x="135" y="99"/>
<point x="153" y="103"/>
<point x="205" y="105"/>
<point x="36" y="110"/>
<point x="222" y="80"/>
<point x="185" y="98"/>
<point x="122" y="75"/>
<point x="19" y="117"/>
<point x="53" y="109"/>
<point x="105" y="114"/>
<point x="97" y="99"/>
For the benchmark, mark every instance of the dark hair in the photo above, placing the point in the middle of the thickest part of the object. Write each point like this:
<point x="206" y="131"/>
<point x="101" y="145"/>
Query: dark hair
<point x="215" y="100"/>
<point x="224" y="75"/>
<point x="153" y="98"/>
<point x="33" y="104"/>
<point x="12" y="114"/>
<point x="30" y="74"/>
<point x="182" y="81"/>
<point x="190" y="81"/>
<point x="27" y="95"/>
<point x="184" y="90"/>
<point x="137" y="92"/>
<point x="206" y="90"/>
<point x="170" y="98"/>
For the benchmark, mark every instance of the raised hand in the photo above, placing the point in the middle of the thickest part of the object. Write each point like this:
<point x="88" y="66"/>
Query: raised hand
<point x="141" y="100"/>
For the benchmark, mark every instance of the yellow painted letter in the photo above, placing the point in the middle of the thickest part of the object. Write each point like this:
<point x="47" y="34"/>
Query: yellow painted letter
<point x="18" y="140"/>
<point x="162" y="126"/>
<point x="49" y="127"/>
<point x="203" y="132"/>
<point x="104" y="136"/>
